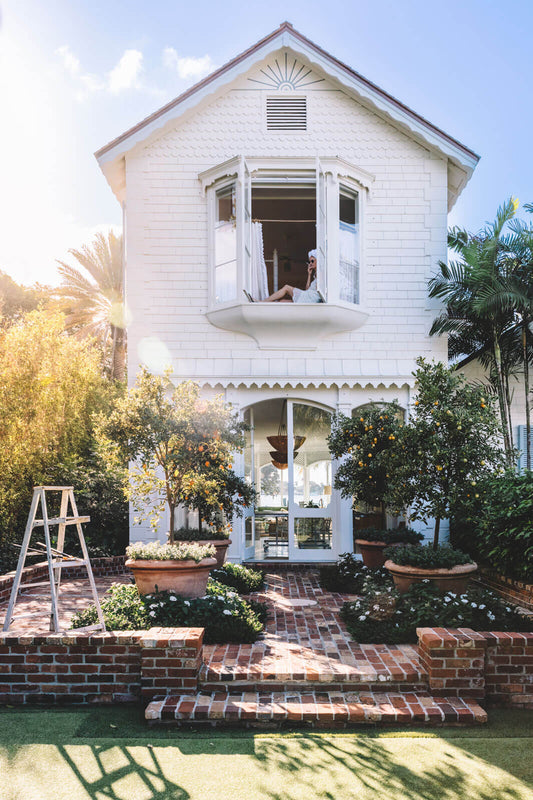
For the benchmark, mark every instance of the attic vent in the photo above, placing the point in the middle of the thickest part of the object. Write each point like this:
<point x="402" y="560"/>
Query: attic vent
<point x="286" y="113"/>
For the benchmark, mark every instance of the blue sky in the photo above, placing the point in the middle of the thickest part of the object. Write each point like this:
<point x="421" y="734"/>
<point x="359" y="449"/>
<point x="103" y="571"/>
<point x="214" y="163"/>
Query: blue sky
<point x="76" y="73"/>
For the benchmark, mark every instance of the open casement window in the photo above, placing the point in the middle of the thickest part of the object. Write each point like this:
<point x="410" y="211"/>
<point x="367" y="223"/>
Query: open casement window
<point x="225" y="244"/>
<point x="349" y="247"/>
<point x="321" y="231"/>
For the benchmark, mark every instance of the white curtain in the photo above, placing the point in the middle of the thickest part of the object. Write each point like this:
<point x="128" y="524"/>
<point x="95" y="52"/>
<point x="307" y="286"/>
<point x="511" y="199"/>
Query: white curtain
<point x="258" y="278"/>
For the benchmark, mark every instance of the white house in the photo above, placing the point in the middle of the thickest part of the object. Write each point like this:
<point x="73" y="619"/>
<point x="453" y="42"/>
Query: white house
<point x="282" y="150"/>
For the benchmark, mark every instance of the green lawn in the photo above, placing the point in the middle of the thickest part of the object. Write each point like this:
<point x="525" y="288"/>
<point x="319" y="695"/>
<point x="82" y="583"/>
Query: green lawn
<point x="67" y="754"/>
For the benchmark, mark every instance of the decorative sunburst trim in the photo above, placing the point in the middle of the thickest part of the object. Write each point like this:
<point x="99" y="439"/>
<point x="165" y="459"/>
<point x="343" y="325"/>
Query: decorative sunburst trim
<point x="288" y="76"/>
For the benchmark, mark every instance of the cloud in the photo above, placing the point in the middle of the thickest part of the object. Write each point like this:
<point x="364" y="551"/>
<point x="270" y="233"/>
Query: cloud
<point x="187" y="67"/>
<point x="126" y="74"/>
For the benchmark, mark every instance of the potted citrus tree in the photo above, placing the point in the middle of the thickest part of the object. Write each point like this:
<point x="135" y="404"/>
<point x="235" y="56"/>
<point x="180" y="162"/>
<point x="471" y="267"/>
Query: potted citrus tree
<point x="368" y="444"/>
<point x="450" y="441"/>
<point x="181" y="447"/>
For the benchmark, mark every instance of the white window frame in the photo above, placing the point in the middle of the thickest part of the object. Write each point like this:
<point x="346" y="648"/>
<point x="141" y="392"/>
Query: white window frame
<point x="243" y="170"/>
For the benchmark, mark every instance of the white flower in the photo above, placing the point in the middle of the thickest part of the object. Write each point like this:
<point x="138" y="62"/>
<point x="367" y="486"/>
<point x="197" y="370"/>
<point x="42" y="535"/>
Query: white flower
<point x="507" y="608"/>
<point x="186" y="602"/>
<point x="172" y="598"/>
<point x="491" y="616"/>
<point x="482" y="606"/>
<point x="474" y="605"/>
<point x="227" y="611"/>
<point x="362" y="617"/>
<point x="447" y="599"/>
<point x="152" y="613"/>
<point x="154" y="605"/>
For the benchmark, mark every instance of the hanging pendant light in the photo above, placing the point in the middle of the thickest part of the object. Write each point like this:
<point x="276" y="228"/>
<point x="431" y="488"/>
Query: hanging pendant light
<point x="280" y="442"/>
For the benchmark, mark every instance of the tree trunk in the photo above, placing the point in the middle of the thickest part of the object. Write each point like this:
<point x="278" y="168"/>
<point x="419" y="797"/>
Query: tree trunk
<point x="199" y="520"/>
<point x="526" y="391"/>
<point x="500" y="385"/>
<point x="118" y="353"/>
<point x="171" y="523"/>
<point x="383" y="516"/>
<point x="436" y="533"/>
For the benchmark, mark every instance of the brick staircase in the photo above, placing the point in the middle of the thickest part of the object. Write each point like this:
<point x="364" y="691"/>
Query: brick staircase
<point x="307" y="671"/>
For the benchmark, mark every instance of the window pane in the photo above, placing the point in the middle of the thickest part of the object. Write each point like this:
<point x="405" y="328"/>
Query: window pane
<point x="225" y="246"/>
<point x="349" y="246"/>
<point x="313" y="533"/>
<point x="312" y="461"/>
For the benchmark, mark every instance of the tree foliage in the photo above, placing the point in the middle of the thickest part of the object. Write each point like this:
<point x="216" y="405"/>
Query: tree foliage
<point x="94" y="298"/>
<point x="183" y="448"/>
<point x="50" y="387"/>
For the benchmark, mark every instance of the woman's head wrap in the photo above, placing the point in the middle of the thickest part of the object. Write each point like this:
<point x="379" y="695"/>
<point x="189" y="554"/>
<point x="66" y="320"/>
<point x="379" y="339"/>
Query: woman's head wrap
<point x="313" y="254"/>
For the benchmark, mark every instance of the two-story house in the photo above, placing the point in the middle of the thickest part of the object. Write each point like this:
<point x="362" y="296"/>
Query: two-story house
<point x="281" y="151"/>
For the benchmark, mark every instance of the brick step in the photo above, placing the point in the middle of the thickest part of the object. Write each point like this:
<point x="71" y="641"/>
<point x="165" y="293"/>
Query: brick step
<point x="305" y="686"/>
<point x="278" y="674"/>
<point x="314" y="709"/>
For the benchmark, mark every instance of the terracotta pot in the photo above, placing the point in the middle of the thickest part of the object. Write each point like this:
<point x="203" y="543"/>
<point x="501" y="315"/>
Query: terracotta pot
<point x="372" y="552"/>
<point x="186" y="578"/>
<point x="221" y="547"/>
<point x="447" y="580"/>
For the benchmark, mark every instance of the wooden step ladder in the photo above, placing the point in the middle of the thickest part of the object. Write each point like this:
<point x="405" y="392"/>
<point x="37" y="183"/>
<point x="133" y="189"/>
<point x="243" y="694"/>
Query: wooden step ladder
<point x="56" y="558"/>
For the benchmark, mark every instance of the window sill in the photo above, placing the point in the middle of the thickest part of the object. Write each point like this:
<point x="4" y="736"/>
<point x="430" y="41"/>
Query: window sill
<point x="288" y="326"/>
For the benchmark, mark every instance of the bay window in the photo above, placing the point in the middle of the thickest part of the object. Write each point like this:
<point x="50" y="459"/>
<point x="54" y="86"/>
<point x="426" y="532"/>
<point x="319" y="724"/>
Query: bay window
<point x="264" y="215"/>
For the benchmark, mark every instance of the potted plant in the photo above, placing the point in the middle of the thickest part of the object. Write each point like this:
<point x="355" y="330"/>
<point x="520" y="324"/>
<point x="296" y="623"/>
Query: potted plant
<point x="181" y="448"/>
<point x="449" y="569"/>
<point x="450" y="441"/>
<point x="367" y="443"/>
<point x="183" y="568"/>
<point x="218" y="538"/>
<point x="372" y="543"/>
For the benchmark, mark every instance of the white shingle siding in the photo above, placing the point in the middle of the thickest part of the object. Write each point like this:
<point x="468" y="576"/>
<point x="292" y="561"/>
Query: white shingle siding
<point x="167" y="266"/>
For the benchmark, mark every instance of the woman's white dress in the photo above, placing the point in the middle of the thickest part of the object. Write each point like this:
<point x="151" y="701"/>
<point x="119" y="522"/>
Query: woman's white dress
<point x="310" y="295"/>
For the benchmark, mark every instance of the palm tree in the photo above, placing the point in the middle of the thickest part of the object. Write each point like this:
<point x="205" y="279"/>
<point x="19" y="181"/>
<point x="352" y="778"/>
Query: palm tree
<point x="477" y="325"/>
<point x="95" y="301"/>
<point x="514" y="292"/>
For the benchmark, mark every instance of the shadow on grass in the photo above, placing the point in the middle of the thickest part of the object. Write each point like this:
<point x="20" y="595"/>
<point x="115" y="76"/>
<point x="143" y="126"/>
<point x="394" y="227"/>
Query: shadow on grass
<point x="104" y="749"/>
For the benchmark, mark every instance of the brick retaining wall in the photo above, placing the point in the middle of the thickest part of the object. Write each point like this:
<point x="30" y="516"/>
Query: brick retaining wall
<point x="102" y="567"/>
<point x="117" y="667"/>
<point x="495" y="667"/>
<point x="514" y="591"/>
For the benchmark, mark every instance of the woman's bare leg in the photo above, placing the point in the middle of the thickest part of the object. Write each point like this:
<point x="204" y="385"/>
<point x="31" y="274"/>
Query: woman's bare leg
<point x="285" y="292"/>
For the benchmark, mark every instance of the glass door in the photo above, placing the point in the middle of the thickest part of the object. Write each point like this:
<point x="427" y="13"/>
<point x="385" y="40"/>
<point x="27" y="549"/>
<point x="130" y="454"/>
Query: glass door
<point x="310" y="480"/>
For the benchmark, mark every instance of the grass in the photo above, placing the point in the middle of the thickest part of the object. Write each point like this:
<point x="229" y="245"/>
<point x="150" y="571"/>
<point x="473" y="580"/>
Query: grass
<point x="68" y="754"/>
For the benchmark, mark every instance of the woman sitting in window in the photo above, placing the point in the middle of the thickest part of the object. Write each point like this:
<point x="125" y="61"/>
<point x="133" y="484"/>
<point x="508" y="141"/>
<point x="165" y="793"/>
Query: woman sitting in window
<point x="291" y="294"/>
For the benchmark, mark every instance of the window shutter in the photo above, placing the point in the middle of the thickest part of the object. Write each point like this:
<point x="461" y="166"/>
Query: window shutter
<point x="286" y="113"/>
<point x="521" y="445"/>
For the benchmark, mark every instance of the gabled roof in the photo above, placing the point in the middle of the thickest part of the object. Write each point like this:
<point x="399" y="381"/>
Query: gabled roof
<point x="461" y="159"/>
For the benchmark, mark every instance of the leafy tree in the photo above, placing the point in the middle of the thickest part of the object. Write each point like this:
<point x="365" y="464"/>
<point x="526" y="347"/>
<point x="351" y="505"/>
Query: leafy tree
<point x="370" y="445"/>
<point x="94" y="298"/>
<point x="50" y="387"/>
<point x="480" y="327"/>
<point x="16" y="299"/>
<point x="450" y="442"/>
<point x="183" y="447"/>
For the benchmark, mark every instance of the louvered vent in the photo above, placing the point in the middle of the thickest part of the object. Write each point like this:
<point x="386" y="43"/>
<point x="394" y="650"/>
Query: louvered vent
<point x="286" y="113"/>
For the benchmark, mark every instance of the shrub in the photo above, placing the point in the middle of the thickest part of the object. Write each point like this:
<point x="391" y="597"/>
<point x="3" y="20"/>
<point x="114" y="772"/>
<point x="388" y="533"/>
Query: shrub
<point x="243" y="579"/>
<point x="388" y="617"/>
<point x="404" y="535"/>
<point x="497" y="524"/>
<point x="196" y="535"/>
<point x="350" y="576"/>
<point x="427" y="557"/>
<point x="225" y="616"/>
<point x="154" y="551"/>
<point x="122" y="607"/>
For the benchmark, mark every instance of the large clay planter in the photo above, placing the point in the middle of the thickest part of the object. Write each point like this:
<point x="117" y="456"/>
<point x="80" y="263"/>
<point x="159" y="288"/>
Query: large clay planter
<point x="372" y="552"/>
<point x="220" y="545"/>
<point x="187" y="578"/>
<point x="447" y="580"/>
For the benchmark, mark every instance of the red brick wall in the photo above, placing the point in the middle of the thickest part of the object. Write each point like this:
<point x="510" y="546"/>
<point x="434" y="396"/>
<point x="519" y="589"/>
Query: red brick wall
<point x="509" y="669"/>
<point x="496" y="667"/>
<point x="454" y="661"/>
<point x="113" y="667"/>
<point x="514" y="591"/>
